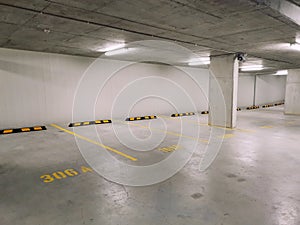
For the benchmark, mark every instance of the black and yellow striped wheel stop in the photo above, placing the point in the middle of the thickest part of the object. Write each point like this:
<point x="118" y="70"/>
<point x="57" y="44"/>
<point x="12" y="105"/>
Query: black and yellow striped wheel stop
<point x="253" y="107"/>
<point x="22" y="130"/>
<point x="280" y="103"/>
<point x="270" y="105"/>
<point x="141" y="118"/>
<point x="205" y="112"/>
<point x="183" y="114"/>
<point x="86" y="123"/>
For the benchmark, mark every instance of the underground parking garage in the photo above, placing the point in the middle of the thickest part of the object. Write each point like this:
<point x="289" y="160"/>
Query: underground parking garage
<point x="150" y="112"/>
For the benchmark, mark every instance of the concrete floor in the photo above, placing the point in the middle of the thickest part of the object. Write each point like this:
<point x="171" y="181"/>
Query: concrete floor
<point x="254" y="180"/>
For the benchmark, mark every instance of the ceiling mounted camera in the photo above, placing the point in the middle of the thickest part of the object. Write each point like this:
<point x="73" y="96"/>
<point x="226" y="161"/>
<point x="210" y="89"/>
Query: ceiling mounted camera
<point x="240" y="56"/>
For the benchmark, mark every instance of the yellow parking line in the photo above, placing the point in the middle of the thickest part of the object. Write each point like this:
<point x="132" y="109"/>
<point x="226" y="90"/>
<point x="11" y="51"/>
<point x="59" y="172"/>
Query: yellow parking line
<point x="95" y="142"/>
<point x="227" y="136"/>
<point x="245" y="130"/>
<point x="266" y="127"/>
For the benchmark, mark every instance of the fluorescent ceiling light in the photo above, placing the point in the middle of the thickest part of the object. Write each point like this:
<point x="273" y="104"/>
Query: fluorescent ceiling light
<point x="295" y="46"/>
<point x="117" y="51"/>
<point x="199" y="61"/>
<point x="281" y="72"/>
<point x="111" y="47"/>
<point x="252" y="68"/>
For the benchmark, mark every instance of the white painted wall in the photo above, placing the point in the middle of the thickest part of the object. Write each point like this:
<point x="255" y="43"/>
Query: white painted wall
<point x="270" y="89"/>
<point x="245" y="90"/>
<point x="39" y="88"/>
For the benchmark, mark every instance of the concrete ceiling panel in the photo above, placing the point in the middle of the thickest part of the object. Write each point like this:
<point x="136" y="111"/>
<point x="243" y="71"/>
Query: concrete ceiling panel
<point x="139" y="27"/>
<point x="117" y="35"/>
<point x="91" y="5"/>
<point x="7" y="29"/>
<point x="80" y="14"/>
<point x="262" y="35"/>
<point x="32" y="4"/>
<point x="14" y="15"/>
<point x="79" y="27"/>
<point x="244" y="23"/>
<point x="143" y="12"/>
<point x="34" y="35"/>
<point x="3" y="41"/>
<point x="54" y="23"/>
<point x="222" y="8"/>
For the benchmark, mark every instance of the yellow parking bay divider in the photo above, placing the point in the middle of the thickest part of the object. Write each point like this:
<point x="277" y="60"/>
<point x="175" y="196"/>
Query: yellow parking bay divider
<point x="95" y="142"/>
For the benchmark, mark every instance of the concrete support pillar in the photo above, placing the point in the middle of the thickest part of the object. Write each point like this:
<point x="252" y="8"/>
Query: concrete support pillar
<point x="223" y="86"/>
<point x="292" y="92"/>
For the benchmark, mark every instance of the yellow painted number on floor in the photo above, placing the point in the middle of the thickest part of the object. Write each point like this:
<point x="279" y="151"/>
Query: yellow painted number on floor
<point x="86" y="169"/>
<point x="169" y="148"/>
<point x="47" y="178"/>
<point x="58" y="175"/>
<point x="71" y="172"/>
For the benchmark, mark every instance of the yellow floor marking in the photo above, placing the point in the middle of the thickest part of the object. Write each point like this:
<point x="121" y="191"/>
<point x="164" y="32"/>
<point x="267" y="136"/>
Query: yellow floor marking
<point x="245" y="130"/>
<point x="58" y="175"/>
<point x="266" y="127"/>
<point x="227" y="136"/>
<point x="167" y="132"/>
<point x="169" y="148"/>
<point x="95" y="142"/>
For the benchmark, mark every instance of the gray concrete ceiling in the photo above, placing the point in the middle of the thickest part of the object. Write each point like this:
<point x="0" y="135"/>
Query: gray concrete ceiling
<point x="207" y="27"/>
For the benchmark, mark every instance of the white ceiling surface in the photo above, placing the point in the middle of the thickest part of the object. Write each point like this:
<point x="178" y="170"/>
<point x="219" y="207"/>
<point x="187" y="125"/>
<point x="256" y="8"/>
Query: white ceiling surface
<point x="206" y="27"/>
